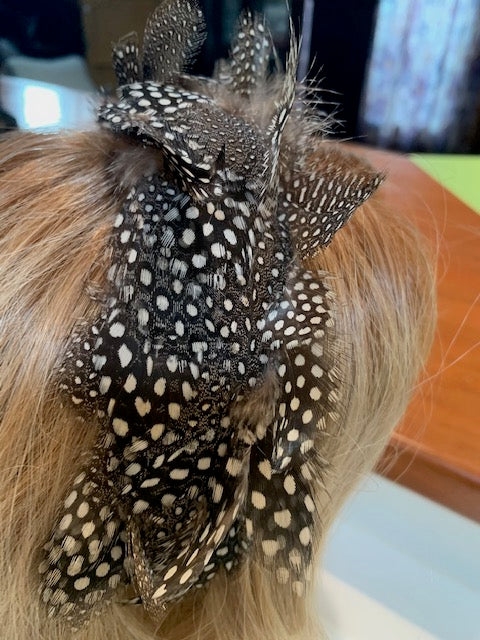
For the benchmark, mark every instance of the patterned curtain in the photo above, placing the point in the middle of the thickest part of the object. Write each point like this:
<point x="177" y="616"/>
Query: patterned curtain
<point x="423" y="86"/>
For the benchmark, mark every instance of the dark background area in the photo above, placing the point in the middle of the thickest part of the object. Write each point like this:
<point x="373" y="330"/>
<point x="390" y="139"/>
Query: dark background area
<point x="340" y="35"/>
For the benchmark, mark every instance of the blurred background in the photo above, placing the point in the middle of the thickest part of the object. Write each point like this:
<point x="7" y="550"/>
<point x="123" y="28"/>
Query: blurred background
<point x="399" y="75"/>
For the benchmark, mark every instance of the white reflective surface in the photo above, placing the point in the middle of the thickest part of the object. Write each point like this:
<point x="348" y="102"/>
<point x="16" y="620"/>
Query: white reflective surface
<point x="46" y="107"/>
<point x="400" y="567"/>
<point x="349" y="614"/>
<point x="41" y="107"/>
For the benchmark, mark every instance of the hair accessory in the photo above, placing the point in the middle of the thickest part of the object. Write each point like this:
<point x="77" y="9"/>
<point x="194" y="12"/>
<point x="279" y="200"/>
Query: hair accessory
<point x="211" y="367"/>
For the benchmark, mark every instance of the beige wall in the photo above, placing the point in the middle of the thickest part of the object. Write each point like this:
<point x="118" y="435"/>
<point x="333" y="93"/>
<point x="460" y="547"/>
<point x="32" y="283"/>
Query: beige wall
<point x="105" y="21"/>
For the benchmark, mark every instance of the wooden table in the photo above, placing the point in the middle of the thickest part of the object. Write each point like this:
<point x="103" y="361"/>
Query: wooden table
<point x="436" y="449"/>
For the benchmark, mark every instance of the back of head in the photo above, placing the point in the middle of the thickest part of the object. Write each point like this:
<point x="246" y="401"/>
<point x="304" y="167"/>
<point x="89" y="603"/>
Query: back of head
<point x="196" y="369"/>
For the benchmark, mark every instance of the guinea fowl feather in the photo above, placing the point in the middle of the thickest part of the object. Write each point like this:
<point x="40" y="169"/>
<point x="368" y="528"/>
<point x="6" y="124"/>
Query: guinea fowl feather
<point x="211" y="366"/>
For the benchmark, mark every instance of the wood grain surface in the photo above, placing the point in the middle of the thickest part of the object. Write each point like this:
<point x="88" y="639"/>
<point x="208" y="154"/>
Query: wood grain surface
<point x="436" y="449"/>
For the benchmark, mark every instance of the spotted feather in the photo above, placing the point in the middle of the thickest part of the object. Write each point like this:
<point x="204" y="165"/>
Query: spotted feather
<point x="281" y="517"/>
<point x="226" y="156"/>
<point x="210" y="369"/>
<point x="126" y="62"/>
<point x="245" y="70"/>
<point x="319" y="196"/>
<point x="173" y="36"/>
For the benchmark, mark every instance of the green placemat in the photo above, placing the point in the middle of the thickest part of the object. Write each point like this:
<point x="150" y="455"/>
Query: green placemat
<point x="459" y="174"/>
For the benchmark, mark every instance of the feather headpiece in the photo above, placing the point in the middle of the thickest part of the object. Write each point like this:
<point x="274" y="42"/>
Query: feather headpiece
<point x="210" y="367"/>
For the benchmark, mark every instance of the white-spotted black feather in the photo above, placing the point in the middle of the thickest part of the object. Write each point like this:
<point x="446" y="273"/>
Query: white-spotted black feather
<point x="208" y="305"/>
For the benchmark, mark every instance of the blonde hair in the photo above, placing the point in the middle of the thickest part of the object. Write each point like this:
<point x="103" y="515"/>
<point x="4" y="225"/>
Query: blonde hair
<point x="58" y="197"/>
